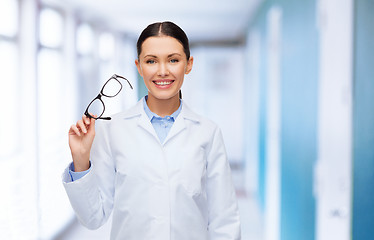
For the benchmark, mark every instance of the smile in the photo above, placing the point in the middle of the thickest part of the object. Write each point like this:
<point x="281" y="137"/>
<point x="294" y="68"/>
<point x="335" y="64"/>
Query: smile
<point x="163" y="83"/>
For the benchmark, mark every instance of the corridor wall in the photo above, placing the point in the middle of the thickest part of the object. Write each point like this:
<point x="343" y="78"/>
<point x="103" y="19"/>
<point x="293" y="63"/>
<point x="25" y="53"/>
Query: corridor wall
<point x="326" y="156"/>
<point x="363" y="122"/>
<point x="298" y="119"/>
<point x="297" y="86"/>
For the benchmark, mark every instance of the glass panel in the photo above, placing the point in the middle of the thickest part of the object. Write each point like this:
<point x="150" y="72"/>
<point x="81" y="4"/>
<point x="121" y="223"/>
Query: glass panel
<point x="11" y="201"/>
<point x="51" y="28"/>
<point x="50" y="92"/>
<point x="9" y="17"/>
<point x="85" y="39"/>
<point x="106" y="46"/>
<point x="9" y="99"/>
<point x="53" y="93"/>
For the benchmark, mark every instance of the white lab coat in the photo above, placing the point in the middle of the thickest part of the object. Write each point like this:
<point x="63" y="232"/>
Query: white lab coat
<point x="181" y="189"/>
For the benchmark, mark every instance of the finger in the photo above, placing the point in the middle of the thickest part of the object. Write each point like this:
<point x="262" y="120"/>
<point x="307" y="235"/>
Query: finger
<point x="92" y="124"/>
<point x="86" y="119"/>
<point x="93" y="120"/>
<point x="82" y="126"/>
<point x="74" y="130"/>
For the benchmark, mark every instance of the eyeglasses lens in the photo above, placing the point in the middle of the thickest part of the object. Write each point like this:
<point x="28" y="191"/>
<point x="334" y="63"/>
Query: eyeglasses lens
<point x="96" y="108"/>
<point x="112" y="88"/>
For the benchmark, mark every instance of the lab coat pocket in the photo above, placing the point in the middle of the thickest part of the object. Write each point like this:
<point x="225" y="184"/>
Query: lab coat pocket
<point x="120" y="179"/>
<point x="193" y="172"/>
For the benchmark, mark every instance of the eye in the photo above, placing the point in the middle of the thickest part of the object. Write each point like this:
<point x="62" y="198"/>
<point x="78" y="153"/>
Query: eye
<point x="174" y="60"/>
<point x="150" y="61"/>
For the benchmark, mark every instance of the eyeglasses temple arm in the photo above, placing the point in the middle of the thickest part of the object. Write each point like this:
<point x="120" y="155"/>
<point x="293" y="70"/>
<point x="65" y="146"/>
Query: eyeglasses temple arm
<point x="102" y="118"/>
<point x="105" y="118"/>
<point x="125" y="79"/>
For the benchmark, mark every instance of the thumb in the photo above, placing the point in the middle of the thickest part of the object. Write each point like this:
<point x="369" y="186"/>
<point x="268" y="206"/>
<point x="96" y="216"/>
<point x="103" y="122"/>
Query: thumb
<point x="92" y="124"/>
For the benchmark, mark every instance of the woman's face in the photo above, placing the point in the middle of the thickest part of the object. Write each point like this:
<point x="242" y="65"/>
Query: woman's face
<point x="162" y="63"/>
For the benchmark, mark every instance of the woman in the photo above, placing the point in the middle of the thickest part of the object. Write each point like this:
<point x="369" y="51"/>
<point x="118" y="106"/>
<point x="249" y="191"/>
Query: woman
<point x="159" y="167"/>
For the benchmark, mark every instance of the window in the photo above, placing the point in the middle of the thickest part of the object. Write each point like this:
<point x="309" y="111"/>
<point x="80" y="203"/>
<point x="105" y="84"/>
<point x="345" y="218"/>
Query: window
<point x="9" y="62"/>
<point x="42" y="69"/>
<point x="11" y="204"/>
<point x="9" y="18"/>
<point x="107" y="44"/>
<point x="85" y="40"/>
<point x="51" y="28"/>
<point x="9" y="98"/>
<point x="54" y="112"/>
<point x="87" y="71"/>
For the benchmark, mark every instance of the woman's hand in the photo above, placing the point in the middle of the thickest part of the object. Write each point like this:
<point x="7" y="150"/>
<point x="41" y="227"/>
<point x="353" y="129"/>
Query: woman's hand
<point x="81" y="136"/>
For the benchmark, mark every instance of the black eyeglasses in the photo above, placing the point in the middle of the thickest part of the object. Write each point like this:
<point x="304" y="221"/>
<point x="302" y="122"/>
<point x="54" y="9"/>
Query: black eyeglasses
<point x="110" y="89"/>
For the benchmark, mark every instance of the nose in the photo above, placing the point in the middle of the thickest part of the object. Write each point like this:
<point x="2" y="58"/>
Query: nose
<point x="163" y="70"/>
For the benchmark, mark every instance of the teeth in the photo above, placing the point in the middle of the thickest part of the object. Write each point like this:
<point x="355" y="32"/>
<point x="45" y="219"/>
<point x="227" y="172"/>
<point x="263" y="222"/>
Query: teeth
<point x="162" y="83"/>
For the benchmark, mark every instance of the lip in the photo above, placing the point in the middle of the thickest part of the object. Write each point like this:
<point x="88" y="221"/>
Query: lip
<point x="158" y="83"/>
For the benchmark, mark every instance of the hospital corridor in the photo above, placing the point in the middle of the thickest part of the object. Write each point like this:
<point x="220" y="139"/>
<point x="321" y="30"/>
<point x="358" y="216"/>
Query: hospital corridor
<point x="289" y="83"/>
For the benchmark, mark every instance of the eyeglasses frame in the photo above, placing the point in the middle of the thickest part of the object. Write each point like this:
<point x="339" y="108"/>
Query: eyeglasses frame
<point x="101" y="94"/>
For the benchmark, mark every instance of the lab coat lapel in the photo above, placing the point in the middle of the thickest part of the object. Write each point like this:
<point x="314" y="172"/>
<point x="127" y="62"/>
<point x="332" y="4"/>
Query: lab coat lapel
<point x="143" y="120"/>
<point x="177" y="127"/>
<point x="146" y="124"/>
<point x="180" y="123"/>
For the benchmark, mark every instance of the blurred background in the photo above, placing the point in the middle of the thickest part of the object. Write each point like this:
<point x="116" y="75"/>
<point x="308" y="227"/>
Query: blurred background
<point x="290" y="83"/>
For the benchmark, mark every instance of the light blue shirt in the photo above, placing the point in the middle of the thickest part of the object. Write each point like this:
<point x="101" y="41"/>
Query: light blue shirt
<point x="162" y="126"/>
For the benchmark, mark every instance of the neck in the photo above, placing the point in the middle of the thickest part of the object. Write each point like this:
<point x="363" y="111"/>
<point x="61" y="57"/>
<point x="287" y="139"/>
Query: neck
<point x="163" y="107"/>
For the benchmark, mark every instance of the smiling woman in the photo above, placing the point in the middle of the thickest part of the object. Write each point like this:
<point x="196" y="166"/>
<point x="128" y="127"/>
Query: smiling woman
<point x="158" y="150"/>
<point x="162" y="63"/>
<point x="176" y="52"/>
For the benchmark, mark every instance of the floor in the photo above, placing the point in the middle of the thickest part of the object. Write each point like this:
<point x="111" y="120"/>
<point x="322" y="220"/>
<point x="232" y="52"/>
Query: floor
<point x="251" y="222"/>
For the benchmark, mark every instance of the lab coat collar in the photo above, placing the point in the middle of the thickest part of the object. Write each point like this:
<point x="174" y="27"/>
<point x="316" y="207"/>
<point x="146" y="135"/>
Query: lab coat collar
<point x="178" y="126"/>
<point x="138" y="110"/>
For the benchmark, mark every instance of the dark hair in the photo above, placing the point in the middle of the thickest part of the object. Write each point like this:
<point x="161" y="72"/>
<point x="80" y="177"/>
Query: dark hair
<point x="164" y="29"/>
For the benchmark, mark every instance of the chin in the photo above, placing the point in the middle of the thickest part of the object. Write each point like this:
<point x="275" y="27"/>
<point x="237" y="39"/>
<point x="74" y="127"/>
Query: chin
<point x="165" y="96"/>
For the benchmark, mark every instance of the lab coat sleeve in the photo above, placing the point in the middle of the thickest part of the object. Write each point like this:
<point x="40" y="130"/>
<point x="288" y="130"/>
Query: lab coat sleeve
<point x="223" y="210"/>
<point x="92" y="195"/>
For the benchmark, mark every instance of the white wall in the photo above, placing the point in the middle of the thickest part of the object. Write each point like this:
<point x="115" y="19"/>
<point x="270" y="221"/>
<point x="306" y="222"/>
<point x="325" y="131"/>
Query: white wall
<point x="273" y="125"/>
<point x="215" y="89"/>
<point x="333" y="170"/>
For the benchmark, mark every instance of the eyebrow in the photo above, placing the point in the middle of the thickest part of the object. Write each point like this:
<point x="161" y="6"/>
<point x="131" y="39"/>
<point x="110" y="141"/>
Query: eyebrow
<point x="154" y="56"/>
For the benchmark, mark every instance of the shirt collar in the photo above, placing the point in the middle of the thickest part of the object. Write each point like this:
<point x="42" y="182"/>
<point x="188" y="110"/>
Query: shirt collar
<point x="152" y="115"/>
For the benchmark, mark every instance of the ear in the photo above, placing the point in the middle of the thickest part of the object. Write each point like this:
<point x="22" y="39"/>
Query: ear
<point x="189" y="65"/>
<point x="137" y="63"/>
